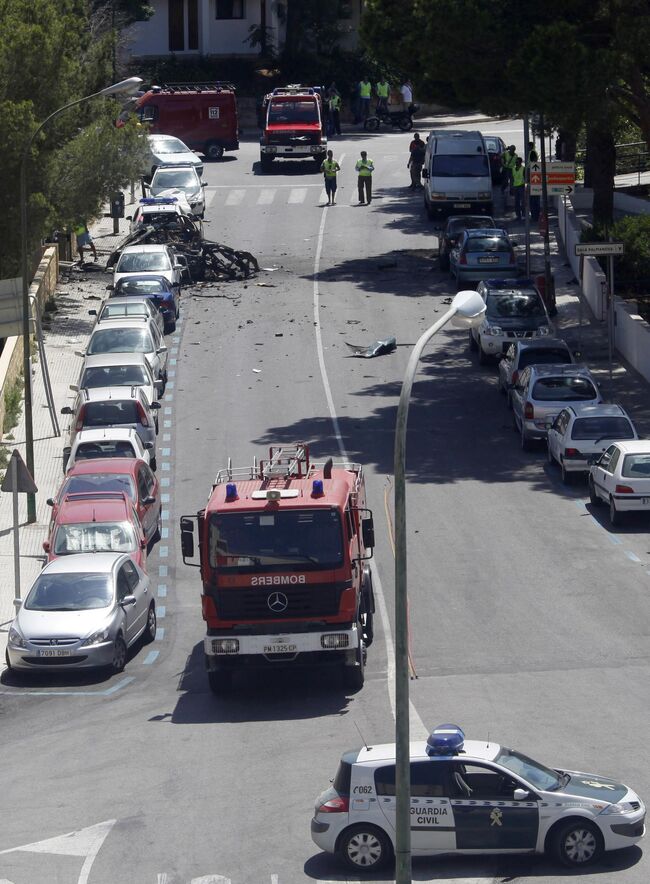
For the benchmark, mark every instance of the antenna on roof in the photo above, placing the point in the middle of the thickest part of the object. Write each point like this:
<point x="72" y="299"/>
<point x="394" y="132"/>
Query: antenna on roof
<point x="327" y="469"/>
<point x="488" y="742"/>
<point x="362" y="737"/>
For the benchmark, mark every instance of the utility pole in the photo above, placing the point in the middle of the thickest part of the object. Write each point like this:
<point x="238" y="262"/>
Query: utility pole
<point x="548" y="280"/>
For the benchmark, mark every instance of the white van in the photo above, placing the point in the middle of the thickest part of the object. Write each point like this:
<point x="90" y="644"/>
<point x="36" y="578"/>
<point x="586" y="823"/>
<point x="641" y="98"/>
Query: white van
<point x="456" y="173"/>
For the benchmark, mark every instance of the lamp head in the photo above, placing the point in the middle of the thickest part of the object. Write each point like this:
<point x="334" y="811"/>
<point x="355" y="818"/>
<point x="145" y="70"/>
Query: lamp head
<point x="124" y="87"/>
<point x="469" y="307"/>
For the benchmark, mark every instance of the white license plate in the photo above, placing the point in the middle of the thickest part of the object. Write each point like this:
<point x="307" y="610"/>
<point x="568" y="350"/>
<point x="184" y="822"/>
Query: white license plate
<point x="645" y="501"/>
<point x="280" y="649"/>
<point x="462" y="205"/>
<point x="54" y="652"/>
<point x="488" y="260"/>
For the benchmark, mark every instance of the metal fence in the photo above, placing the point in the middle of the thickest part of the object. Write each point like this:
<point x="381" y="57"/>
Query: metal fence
<point x="631" y="159"/>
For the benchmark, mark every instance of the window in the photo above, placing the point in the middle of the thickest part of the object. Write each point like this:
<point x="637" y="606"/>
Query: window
<point x="460" y="166"/>
<point x="602" y="428"/>
<point x="475" y="782"/>
<point x="131" y="575"/>
<point x="231" y="8"/>
<point x="513" y="305"/>
<point x="111" y="413"/>
<point x="122" y="583"/>
<point x="143" y="490"/>
<point x="428" y="779"/>
<point x="537" y="356"/>
<point x="636" y="466"/>
<point x="564" y="389"/>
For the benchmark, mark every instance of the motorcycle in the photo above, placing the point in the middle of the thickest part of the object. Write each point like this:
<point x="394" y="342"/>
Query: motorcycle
<point x="402" y="119"/>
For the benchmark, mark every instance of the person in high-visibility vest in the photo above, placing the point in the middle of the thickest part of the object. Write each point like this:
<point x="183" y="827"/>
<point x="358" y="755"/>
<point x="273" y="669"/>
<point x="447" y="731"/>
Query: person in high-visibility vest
<point x="84" y="240"/>
<point x="507" y="163"/>
<point x="518" y="184"/>
<point x="364" y="168"/>
<point x="329" y="168"/>
<point x="383" y="91"/>
<point x="365" y="93"/>
<point x="335" y="112"/>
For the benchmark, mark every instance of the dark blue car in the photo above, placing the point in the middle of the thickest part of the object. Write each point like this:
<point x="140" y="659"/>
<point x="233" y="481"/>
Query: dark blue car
<point x="158" y="289"/>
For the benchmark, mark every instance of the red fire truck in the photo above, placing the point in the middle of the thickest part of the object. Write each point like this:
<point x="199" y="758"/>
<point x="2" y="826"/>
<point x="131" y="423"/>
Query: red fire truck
<point x="293" y="125"/>
<point x="283" y="547"/>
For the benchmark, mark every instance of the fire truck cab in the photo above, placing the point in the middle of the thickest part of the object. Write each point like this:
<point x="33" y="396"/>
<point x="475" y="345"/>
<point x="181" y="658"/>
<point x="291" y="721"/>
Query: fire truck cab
<point x="283" y="548"/>
<point x="293" y="125"/>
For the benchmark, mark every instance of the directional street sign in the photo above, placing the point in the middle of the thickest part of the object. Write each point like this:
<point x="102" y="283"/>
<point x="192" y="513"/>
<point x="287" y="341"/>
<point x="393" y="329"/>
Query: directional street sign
<point x="596" y="249"/>
<point x="560" y="178"/>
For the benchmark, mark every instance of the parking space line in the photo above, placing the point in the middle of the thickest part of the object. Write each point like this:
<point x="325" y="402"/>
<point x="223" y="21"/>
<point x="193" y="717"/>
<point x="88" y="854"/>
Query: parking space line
<point x="166" y="452"/>
<point x="163" y="552"/>
<point x="150" y="658"/>
<point x="632" y="556"/>
<point x="164" y="515"/>
<point x="166" y="466"/>
<point x="164" y="533"/>
<point x="161" y="611"/>
<point x="164" y="498"/>
<point x="162" y="570"/>
<point x="160" y="634"/>
<point x="162" y="590"/>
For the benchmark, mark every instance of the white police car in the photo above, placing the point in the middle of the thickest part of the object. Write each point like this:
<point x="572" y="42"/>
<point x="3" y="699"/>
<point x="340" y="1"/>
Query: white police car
<point x="472" y="797"/>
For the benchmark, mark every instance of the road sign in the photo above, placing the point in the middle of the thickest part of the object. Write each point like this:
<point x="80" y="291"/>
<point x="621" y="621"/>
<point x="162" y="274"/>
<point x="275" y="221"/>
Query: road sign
<point x="559" y="178"/>
<point x="596" y="249"/>
<point x="18" y="478"/>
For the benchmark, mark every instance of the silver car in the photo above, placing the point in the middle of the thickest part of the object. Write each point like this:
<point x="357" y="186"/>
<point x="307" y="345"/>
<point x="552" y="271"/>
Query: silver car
<point x="165" y="150"/>
<point x="131" y="336"/>
<point x="542" y="391"/>
<point x="118" y="370"/>
<point x="83" y="611"/>
<point x="127" y="308"/>
<point x="180" y="181"/>
<point x="108" y="442"/>
<point x="157" y="260"/>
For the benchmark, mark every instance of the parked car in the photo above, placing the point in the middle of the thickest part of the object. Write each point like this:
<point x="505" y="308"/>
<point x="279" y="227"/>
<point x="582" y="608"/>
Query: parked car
<point x="113" y="407"/>
<point x="82" y="612"/>
<point x="151" y="260"/>
<point x="496" y="147"/>
<point x="530" y="351"/>
<point x="511" y="313"/>
<point x="169" y="213"/>
<point x="165" y="150"/>
<point x="620" y="477"/>
<point x="117" y="442"/>
<point x="118" y="370"/>
<point x="179" y="179"/>
<point x="582" y="432"/>
<point x="542" y="391"/>
<point x="90" y="522"/>
<point x="131" y="336"/>
<point x="451" y="232"/>
<point x="132" y="476"/>
<point x="165" y="296"/>
<point x="481" y="253"/>
<point x="128" y="308"/>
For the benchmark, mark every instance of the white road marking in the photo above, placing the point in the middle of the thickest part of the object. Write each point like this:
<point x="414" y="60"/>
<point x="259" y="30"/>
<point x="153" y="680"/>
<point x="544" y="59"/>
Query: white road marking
<point x="235" y="197"/>
<point x="208" y="197"/>
<point x="418" y="730"/>
<point x="297" y="195"/>
<point x="211" y="879"/>
<point x="266" y="196"/>
<point x="253" y="186"/>
<point x="85" y="842"/>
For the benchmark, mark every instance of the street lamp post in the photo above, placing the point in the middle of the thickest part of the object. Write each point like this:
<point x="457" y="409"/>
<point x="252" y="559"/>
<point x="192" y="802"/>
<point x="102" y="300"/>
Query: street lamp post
<point x="466" y="310"/>
<point x="123" y="87"/>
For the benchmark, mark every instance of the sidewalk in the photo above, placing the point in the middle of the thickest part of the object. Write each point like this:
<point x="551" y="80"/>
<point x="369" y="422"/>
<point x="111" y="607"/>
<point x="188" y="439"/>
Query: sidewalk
<point x="76" y="293"/>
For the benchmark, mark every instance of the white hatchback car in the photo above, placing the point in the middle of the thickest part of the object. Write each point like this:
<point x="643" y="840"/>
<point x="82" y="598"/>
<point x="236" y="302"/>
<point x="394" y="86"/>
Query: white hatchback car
<point x="473" y="797"/>
<point x="581" y="432"/>
<point x="131" y="336"/>
<point x="181" y="181"/>
<point x="621" y="478"/>
<point x="157" y="260"/>
<point x="103" y="442"/>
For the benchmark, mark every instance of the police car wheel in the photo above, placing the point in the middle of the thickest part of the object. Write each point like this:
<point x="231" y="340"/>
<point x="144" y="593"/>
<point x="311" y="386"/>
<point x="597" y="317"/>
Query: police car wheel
<point x="365" y="848"/>
<point x="578" y="843"/>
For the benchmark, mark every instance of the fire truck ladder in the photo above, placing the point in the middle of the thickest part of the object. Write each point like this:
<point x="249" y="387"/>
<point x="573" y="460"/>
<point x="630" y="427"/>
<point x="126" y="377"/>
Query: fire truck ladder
<point x="214" y="86"/>
<point x="286" y="463"/>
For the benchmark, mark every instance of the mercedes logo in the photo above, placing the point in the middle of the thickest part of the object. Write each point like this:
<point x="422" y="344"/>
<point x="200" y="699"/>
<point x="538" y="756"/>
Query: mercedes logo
<point x="277" y="602"/>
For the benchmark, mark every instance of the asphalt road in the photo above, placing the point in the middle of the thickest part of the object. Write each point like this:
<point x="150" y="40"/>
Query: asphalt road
<point x="528" y="616"/>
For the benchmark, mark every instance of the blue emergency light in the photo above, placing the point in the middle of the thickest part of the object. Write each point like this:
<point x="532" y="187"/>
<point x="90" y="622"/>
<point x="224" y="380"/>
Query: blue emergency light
<point x="158" y="201"/>
<point x="446" y="739"/>
<point x="231" y="491"/>
<point x="317" y="488"/>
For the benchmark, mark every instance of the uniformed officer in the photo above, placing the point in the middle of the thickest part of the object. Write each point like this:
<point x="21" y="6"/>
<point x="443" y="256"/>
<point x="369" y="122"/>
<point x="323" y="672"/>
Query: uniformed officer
<point x="335" y="112"/>
<point x="329" y="168"/>
<point x="365" y="168"/>
<point x="507" y="164"/>
<point x="365" y="92"/>
<point x="518" y="183"/>
<point x="383" y="90"/>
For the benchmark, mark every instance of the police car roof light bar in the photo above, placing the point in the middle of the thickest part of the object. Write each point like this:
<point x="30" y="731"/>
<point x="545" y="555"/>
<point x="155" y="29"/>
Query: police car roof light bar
<point x="446" y="739"/>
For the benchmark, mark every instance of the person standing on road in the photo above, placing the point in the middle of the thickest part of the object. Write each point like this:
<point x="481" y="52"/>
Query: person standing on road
<point x="383" y="91"/>
<point x="329" y="169"/>
<point x="416" y="161"/>
<point x="84" y="240"/>
<point x="335" y="110"/>
<point x="364" y="168"/>
<point x="507" y="165"/>
<point x="518" y="184"/>
<point x="407" y="95"/>
<point x="365" y="93"/>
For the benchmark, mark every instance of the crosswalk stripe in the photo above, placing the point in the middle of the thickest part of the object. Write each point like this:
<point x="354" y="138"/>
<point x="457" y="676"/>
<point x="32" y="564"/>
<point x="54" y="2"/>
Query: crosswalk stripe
<point x="266" y="196"/>
<point x="235" y="197"/>
<point x="209" y="196"/>
<point x="297" y="195"/>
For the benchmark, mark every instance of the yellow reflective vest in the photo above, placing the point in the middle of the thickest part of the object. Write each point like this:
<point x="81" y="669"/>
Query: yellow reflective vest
<point x="330" y="168"/>
<point x="365" y="89"/>
<point x="382" y="89"/>
<point x="365" y="168"/>
<point x="518" y="176"/>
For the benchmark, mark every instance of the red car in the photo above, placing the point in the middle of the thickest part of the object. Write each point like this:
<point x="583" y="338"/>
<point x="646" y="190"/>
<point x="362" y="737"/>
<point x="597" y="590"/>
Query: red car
<point x="130" y="475"/>
<point x="496" y="147"/>
<point x="96" y="522"/>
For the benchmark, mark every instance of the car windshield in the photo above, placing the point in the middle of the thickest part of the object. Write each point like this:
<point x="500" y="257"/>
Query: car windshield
<point x="532" y="771"/>
<point x="182" y="178"/>
<point x="167" y="145"/>
<point x="538" y="356"/>
<point x="91" y="482"/>
<point x="140" y="287"/>
<point x="460" y="166"/>
<point x="114" y="376"/>
<point x="94" y="537"/>
<point x="511" y="305"/>
<point x="111" y="413"/>
<point x="602" y="428"/>
<point x="79" y="591"/>
<point x="487" y="244"/>
<point x="137" y="262"/>
<point x="470" y="223"/>
<point x="564" y="389"/>
<point x="266" y="540"/>
<point x="293" y="112"/>
<point x="120" y="340"/>
<point x="636" y="466"/>
<point x="117" y="311"/>
<point x="105" y="448"/>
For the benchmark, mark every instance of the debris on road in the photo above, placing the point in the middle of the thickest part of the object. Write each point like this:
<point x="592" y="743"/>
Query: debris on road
<point x="377" y="348"/>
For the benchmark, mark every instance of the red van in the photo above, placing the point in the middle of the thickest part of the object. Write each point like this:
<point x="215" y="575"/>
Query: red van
<point x="203" y="115"/>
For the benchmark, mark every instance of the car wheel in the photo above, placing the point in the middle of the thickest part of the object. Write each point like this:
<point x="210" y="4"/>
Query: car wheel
<point x="355" y="676"/>
<point x="614" y="515"/>
<point x="472" y="343"/>
<point x="213" y="151"/>
<point x="483" y="358"/>
<point x="593" y="497"/>
<point x="578" y="843"/>
<point x="155" y="424"/>
<point x="7" y="660"/>
<point x="371" y="124"/>
<point x="364" y="848"/>
<point x="153" y="464"/>
<point x="150" y="629"/>
<point x="525" y="442"/>
<point x="220" y="681"/>
<point x="567" y="477"/>
<point x="119" y="654"/>
<point x="405" y="124"/>
<point x="155" y="537"/>
<point x="66" y="458"/>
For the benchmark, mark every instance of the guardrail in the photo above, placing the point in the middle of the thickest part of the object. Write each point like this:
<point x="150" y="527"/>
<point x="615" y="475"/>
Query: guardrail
<point x="632" y="158"/>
